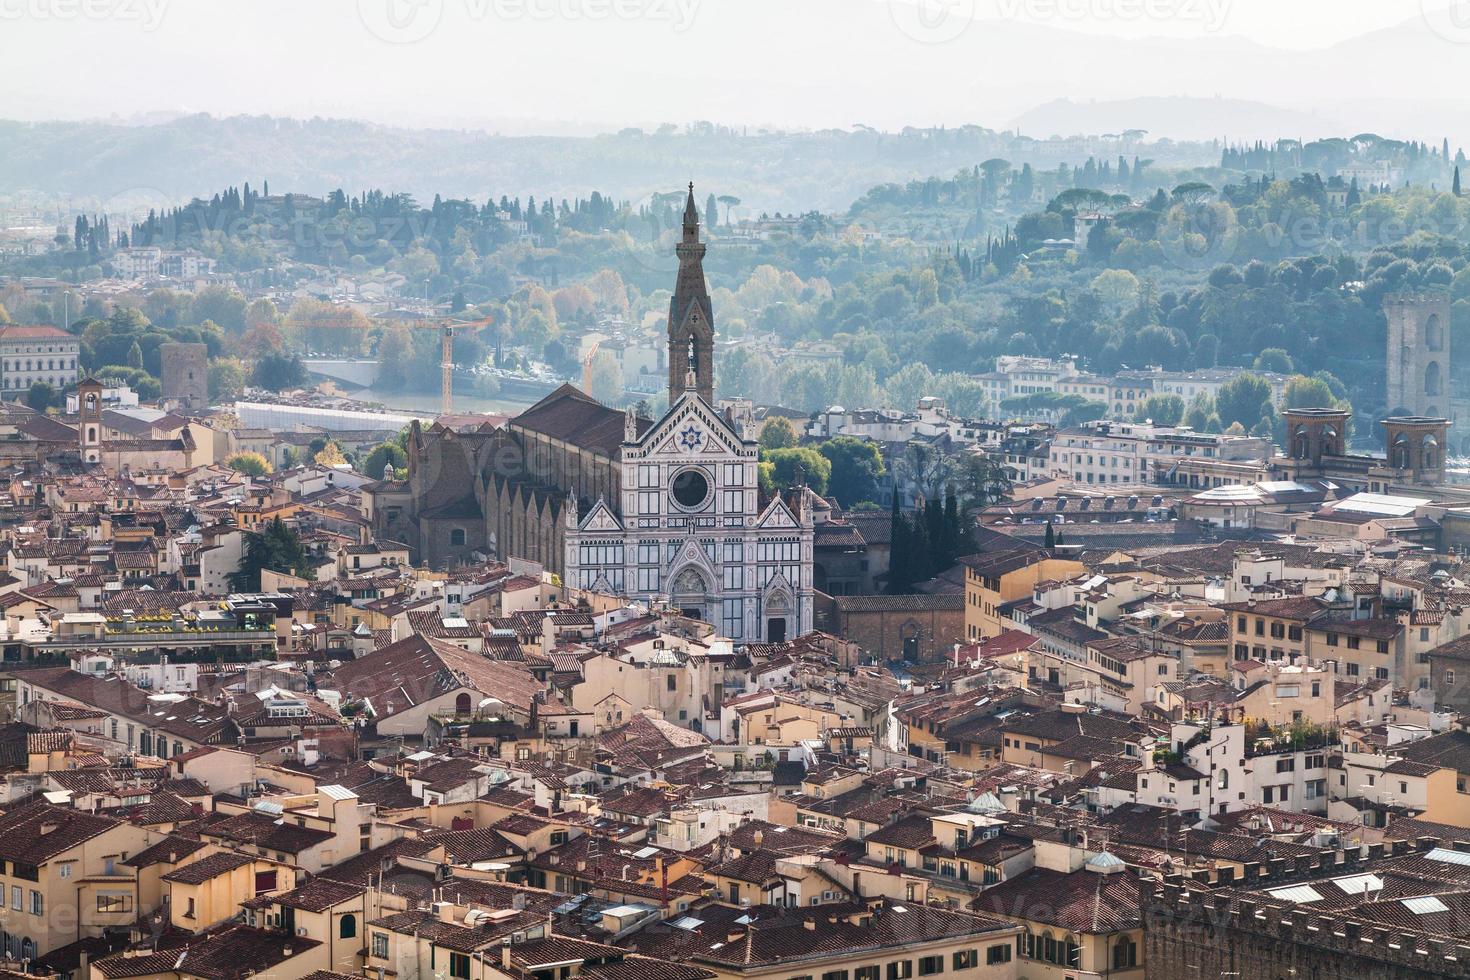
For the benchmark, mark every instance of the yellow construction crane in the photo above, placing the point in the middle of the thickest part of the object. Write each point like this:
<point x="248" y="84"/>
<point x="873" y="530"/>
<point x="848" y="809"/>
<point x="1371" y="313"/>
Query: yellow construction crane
<point x="446" y="356"/>
<point x="446" y="330"/>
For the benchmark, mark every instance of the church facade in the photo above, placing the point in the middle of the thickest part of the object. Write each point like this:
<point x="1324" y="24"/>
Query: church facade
<point x="689" y="525"/>
<point x="666" y="511"/>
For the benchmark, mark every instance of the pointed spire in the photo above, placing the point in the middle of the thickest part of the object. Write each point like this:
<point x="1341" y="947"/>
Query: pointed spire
<point x="691" y="217"/>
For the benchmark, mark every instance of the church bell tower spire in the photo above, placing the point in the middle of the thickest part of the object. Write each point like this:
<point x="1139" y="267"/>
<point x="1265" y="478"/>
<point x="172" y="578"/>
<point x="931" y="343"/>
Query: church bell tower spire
<point x="691" y="316"/>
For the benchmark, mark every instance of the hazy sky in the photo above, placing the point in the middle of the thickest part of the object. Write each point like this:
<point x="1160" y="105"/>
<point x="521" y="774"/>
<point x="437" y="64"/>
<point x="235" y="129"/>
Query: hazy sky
<point x="528" y="64"/>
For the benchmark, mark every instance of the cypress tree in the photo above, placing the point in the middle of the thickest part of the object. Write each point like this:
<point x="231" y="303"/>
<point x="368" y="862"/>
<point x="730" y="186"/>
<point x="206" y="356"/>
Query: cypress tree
<point x="1051" y="535"/>
<point x="898" y="546"/>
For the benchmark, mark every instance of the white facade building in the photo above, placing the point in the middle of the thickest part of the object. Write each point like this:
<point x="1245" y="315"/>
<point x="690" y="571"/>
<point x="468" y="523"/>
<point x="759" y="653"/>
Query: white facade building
<point x="691" y="528"/>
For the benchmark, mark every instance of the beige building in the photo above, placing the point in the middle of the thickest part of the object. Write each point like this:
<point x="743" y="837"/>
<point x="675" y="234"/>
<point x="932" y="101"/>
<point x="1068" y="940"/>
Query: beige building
<point x="64" y="877"/>
<point x="209" y="890"/>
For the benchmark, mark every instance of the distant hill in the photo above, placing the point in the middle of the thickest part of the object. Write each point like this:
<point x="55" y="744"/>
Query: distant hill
<point x="1178" y="117"/>
<point x="174" y="160"/>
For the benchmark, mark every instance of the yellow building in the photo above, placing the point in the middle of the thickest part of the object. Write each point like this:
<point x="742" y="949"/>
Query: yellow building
<point x="207" y="891"/>
<point x="64" y="878"/>
<point x="1080" y="922"/>
<point x="1271" y="629"/>
<point x="994" y="579"/>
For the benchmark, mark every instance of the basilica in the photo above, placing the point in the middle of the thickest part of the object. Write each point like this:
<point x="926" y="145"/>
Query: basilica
<point x="667" y="511"/>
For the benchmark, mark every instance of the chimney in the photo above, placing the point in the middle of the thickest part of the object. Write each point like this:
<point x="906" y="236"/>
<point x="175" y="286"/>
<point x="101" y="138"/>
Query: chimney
<point x="810" y="925"/>
<point x="505" y="953"/>
<point x="759" y="838"/>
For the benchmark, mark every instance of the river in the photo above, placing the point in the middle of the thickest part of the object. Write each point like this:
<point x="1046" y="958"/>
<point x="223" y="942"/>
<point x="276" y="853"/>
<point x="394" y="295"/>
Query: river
<point x="426" y="404"/>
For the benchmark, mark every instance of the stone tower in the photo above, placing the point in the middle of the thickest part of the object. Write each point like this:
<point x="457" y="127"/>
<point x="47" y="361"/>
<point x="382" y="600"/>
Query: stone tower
<point x="186" y="375"/>
<point x="691" y="316"/>
<point x="1417" y="447"/>
<point x="89" y="420"/>
<point x="1312" y="433"/>
<point x="1418" y="354"/>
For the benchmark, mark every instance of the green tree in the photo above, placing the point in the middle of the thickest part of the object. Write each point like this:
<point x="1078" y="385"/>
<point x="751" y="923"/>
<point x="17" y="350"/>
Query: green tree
<point x="135" y="356"/>
<point x="383" y="456"/>
<point x="395" y="350"/>
<point x="278" y="372"/>
<point x="1243" y="399"/>
<point x="777" y="433"/>
<point x="1163" y="409"/>
<point x="222" y="304"/>
<point x="276" y="547"/>
<point x="41" y="396"/>
<point x="1201" y="415"/>
<point x="226" y="380"/>
<point x="799" y="466"/>
<point x="980" y="480"/>
<point x="1275" y="360"/>
<point x="1304" y="392"/>
<point x="856" y="468"/>
<point x="251" y="464"/>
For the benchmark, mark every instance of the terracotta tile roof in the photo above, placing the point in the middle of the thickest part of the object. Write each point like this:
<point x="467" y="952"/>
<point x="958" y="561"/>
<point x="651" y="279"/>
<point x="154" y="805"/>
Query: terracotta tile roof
<point x="211" y="866"/>
<point x="35" y="834"/>
<point x="231" y="953"/>
<point x="576" y="418"/>
<point x="775" y="935"/>
<point x="319" y="894"/>
<point x="263" y="831"/>
<point x="167" y="851"/>
<point x="1083" y="901"/>
<point x="419" y="668"/>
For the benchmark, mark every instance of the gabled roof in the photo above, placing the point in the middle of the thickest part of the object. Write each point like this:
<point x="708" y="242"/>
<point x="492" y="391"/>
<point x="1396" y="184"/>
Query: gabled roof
<point x="35" y="834"/>
<point x="419" y="668"/>
<point x="575" y="417"/>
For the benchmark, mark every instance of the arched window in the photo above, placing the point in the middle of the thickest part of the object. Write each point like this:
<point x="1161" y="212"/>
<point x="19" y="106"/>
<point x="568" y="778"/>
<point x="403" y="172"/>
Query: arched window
<point x="348" y="928"/>
<point x="456" y="538"/>
<point x="1302" y="443"/>
<point x="462" y="704"/>
<point x="1399" y="454"/>
<point x="1431" y="452"/>
<point x="1434" y="334"/>
<point x="1432" y="380"/>
<point x="1125" y="954"/>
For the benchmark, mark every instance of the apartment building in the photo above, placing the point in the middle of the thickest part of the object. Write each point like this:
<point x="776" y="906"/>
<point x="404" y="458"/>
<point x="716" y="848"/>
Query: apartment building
<point x="36" y="352"/>
<point x="63" y="877"/>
